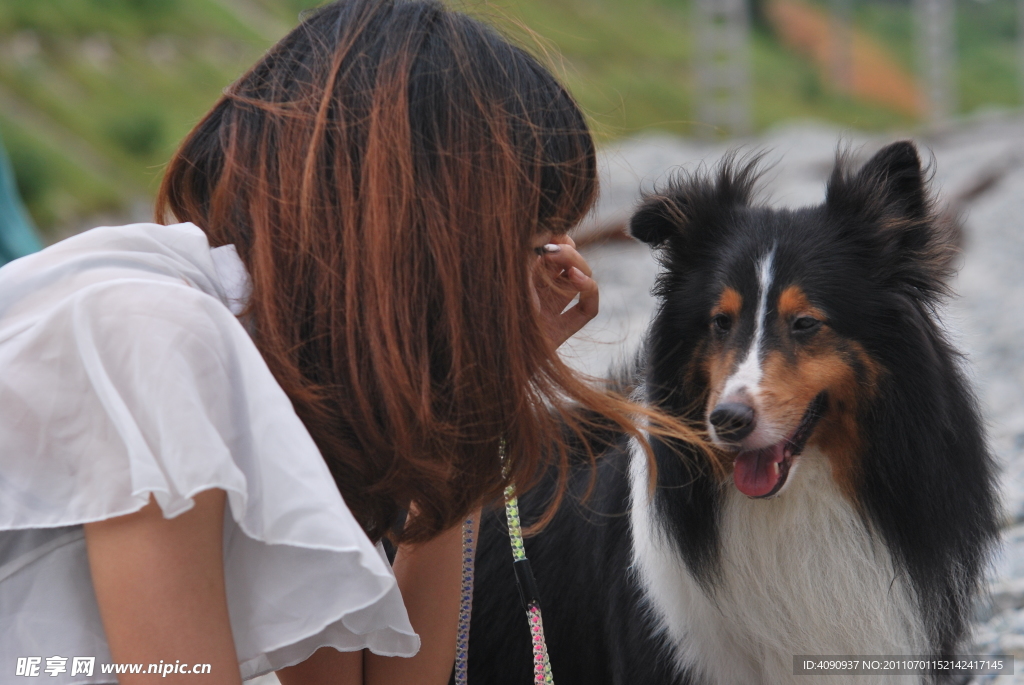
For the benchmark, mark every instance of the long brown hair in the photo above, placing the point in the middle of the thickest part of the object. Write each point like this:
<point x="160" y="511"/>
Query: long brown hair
<point x="382" y="172"/>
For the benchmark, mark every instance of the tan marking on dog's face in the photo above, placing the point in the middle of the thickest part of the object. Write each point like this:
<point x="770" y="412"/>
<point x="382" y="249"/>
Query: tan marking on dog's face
<point x="730" y="303"/>
<point x="793" y="303"/>
<point x="838" y="434"/>
<point x="716" y="367"/>
<point x="712" y="363"/>
<point x="838" y="367"/>
<point x="719" y="361"/>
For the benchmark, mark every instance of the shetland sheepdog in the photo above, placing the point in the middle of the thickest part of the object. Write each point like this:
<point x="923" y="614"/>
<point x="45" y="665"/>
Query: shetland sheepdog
<point x="852" y="507"/>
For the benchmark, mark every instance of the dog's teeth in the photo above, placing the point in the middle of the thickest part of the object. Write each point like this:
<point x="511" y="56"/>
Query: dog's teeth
<point x="776" y="467"/>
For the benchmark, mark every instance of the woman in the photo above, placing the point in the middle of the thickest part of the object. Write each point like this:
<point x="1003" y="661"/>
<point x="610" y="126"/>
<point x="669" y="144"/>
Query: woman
<point x="382" y="201"/>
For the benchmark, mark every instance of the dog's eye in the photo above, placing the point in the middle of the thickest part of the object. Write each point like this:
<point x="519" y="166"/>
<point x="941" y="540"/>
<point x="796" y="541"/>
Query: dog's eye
<point x="805" y="324"/>
<point x="721" y="323"/>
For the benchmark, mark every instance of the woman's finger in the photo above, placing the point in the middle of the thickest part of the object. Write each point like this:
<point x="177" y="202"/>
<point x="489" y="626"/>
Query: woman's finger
<point x="563" y="239"/>
<point x="569" y="322"/>
<point x="561" y="256"/>
<point x="589" y="303"/>
<point x="555" y="291"/>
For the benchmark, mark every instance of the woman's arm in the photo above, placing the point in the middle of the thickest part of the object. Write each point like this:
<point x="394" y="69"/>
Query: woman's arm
<point x="430" y="577"/>
<point x="160" y="588"/>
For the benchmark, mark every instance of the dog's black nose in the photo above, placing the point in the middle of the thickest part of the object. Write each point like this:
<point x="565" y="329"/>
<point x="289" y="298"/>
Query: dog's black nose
<point x="733" y="421"/>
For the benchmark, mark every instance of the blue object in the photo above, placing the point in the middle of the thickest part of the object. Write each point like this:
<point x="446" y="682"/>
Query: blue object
<point x="17" y="236"/>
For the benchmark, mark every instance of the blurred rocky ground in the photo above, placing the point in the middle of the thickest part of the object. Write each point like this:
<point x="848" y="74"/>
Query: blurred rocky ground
<point x="978" y="172"/>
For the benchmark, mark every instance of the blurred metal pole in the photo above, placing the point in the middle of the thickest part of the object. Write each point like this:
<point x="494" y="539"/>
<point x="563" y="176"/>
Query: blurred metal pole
<point x="722" y="61"/>
<point x="842" y="45"/>
<point x="936" y="37"/>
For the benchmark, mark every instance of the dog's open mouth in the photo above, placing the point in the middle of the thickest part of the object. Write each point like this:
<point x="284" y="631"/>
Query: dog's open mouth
<point x="763" y="472"/>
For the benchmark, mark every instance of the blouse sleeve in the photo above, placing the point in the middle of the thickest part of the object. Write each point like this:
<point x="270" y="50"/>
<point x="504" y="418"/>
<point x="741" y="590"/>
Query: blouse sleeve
<point x="134" y="388"/>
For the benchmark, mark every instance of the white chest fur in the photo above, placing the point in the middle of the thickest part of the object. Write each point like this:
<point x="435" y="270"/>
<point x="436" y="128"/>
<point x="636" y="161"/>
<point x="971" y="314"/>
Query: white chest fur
<point x="799" y="574"/>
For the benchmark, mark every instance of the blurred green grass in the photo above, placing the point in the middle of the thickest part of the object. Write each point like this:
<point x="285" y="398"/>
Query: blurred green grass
<point x="94" y="96"/>
<point x="629" y="63"/>
<point x="989" y="58"/>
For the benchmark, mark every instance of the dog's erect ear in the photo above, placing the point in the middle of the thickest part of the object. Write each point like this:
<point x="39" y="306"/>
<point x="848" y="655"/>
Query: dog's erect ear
<point x="700" y="197"/>
<point x="895" y="171"/>
<point x="892" y="183"/>
<point x="886" y="207"/>
<point x="659" y="218"/>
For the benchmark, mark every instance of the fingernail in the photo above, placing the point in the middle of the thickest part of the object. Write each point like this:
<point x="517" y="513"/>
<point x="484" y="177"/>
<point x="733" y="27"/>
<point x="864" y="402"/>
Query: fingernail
<point x="576" y="274"/>
<point x="552" y="247"/>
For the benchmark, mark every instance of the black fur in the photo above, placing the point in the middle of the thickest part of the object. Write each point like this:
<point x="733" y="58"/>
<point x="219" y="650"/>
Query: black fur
<point x="587" y="606"/>
<point x="874" y="257"/>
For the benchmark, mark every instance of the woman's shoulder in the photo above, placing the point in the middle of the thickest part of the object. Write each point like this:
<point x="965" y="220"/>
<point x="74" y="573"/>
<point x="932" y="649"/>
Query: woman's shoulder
<point x="124" y="376"/>
<point x="127" y="375"/>
<point x="123" y="379"/>
<point x="128" y="262"/>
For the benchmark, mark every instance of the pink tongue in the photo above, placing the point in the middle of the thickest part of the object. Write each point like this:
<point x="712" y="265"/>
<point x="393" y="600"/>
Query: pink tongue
<point x="753" y="472"/>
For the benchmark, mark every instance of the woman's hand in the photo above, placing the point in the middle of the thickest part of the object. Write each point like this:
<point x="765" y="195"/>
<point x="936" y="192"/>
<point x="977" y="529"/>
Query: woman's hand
<point x="568" y="275"/>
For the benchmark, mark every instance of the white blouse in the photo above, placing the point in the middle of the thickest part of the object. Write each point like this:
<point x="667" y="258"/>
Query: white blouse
<point x="124" y="373"/>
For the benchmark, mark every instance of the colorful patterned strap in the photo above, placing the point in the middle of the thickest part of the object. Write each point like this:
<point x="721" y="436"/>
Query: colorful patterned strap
<point x="527" y="591"/>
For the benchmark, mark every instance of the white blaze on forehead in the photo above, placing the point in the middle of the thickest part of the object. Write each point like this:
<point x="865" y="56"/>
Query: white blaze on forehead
<point x="748" y="373"/>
